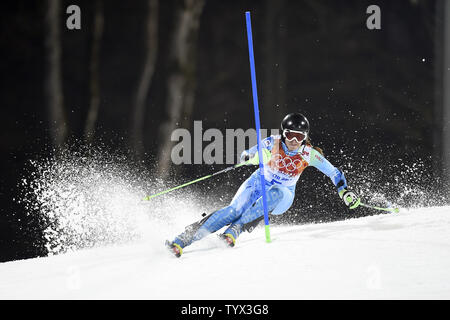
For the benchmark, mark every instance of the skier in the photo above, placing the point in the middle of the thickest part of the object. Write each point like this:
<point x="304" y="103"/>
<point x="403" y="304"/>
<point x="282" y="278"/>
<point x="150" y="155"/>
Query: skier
<point x="288" y="155"/>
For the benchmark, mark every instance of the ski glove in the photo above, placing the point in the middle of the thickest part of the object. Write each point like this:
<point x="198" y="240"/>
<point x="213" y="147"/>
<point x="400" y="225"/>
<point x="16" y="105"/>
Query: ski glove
<point x="340" y="181"/>
<point x="350" y="198"/>
<point x="245" y="156"/>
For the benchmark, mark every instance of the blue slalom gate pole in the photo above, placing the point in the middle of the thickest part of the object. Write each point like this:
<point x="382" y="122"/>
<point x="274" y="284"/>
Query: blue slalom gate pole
<point x="258" y="125"/>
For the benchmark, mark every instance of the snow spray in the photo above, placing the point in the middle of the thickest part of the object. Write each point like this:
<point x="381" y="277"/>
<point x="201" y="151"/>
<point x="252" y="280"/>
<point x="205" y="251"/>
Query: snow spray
<point x="92" y="198"/>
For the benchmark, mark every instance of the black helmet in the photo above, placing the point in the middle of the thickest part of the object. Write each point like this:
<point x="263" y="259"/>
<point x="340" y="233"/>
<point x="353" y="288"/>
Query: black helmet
<point x="295" y="122"/>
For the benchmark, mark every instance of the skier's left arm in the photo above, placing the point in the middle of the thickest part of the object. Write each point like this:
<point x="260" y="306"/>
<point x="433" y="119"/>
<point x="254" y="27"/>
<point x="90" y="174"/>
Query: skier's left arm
<point x="318" y="161"/>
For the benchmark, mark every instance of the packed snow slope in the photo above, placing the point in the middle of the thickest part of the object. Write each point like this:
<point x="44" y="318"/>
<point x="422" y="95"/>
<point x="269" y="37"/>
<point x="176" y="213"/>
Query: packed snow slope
<point x="389" y="256"/>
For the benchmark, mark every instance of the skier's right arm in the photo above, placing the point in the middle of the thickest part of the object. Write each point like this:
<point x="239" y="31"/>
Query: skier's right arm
<point x="267" y="145"/>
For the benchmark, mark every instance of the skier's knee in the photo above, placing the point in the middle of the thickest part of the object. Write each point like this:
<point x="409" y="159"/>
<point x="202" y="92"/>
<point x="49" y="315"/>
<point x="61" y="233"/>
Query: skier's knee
<point x="229" y="212"/>
<point x="275" y="195"/>
<point x="284" y="201"/>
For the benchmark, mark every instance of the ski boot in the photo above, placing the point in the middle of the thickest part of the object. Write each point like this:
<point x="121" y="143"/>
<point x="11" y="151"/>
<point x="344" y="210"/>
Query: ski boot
<point x="174" y="248"/>
<point x="228" y="239"/>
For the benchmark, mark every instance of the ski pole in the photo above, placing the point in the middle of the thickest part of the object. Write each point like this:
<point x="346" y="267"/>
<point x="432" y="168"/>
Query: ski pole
<point x="252" y="161"/>
<point x="396" y="210"/>
<point x="194" y="181"/>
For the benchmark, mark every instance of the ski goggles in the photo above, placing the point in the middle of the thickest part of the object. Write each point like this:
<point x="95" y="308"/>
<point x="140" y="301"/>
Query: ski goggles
<point x="290" y="135"/>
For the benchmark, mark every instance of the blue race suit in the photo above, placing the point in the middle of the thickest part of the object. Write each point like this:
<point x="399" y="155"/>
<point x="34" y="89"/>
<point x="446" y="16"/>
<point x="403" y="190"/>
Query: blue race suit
<point x="281" y="174"/>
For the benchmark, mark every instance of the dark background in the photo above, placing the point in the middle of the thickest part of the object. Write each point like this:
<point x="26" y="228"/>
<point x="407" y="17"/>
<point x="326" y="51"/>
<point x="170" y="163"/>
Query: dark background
<point x="373" y="97"/>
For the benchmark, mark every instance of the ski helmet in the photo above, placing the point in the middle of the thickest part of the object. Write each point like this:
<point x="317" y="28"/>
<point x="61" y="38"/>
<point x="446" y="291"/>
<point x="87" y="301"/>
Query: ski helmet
<point x="297" y="123"/>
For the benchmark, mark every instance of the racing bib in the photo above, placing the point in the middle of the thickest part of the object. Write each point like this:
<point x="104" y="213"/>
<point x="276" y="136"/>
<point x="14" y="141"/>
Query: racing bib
<point x="285" y="169"/>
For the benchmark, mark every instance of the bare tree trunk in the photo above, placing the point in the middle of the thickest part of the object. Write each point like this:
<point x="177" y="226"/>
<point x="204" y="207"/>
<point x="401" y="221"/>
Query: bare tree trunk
<point x="182" y="76"/>
<point x="441" y="126"/>
<point x="446" y="95"/>
<point x="438" y="94"/>
<point x="275" y="71"/>
<point x="94" y="83"/>
<point x="138" y="115"/>
<point x="53" y="85"/>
